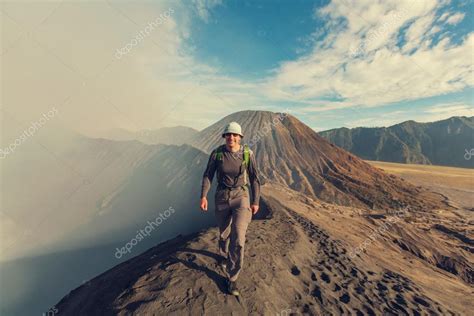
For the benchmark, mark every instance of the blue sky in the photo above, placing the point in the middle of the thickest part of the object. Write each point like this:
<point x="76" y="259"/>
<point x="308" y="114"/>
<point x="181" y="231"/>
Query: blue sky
<point x="249" y="39"/>
<point x="268" y="43"/>
<point x="330" y="63"/>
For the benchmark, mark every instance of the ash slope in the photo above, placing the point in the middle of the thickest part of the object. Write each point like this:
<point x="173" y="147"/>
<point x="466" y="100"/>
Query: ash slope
<point x="298" y="260"/>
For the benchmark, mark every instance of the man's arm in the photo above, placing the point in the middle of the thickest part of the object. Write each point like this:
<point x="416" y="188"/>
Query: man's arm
<point x="208" y="175"/>
<point x="254" y="180"/>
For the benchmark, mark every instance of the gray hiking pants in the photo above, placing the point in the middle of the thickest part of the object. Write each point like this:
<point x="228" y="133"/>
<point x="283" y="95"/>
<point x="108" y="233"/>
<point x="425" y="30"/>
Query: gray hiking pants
<point x="233" y="216"/>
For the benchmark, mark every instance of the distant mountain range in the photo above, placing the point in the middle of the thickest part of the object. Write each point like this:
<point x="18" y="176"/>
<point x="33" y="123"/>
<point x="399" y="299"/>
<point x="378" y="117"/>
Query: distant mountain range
<point x="442" y="142"/>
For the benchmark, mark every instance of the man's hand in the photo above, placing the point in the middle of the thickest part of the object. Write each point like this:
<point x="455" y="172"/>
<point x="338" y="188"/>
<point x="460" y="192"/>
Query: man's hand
<point x="204" y="204"/>
<point x="254" y="208"/>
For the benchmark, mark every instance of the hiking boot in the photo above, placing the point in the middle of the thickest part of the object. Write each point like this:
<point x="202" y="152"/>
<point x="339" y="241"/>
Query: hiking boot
<point x="232" y="288"/>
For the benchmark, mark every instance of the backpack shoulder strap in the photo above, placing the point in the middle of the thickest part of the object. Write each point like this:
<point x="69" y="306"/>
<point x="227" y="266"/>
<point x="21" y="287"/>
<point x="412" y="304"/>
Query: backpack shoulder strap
<point x="219" y="153"/>
<point x="246" y="160"/>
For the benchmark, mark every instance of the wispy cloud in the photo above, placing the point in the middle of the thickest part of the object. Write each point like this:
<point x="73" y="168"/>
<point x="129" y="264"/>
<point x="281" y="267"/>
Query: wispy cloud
<point x="399" y="64"/>
<point x="158" y="83"/>
<point x="454" y="18"/>
<point x="204" y="7"/>
<point x="162" y="82"/>
<point x="451" y="109"/>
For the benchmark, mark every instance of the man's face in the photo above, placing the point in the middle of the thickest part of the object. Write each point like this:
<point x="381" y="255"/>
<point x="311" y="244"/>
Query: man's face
<point x="232" y="139"/>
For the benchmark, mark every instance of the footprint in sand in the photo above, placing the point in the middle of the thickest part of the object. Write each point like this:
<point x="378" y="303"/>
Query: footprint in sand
<point x="360" y="290"/>
<point x="419" y="300"/>
<point x="345" y="298"/>
<point x="325" y="277"/>
<point x="295" y="270"/>
<point x="317" y="293"/>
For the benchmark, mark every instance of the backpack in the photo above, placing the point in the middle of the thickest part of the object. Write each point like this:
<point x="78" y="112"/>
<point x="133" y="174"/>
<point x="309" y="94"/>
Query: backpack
<point x="246" y="161"/>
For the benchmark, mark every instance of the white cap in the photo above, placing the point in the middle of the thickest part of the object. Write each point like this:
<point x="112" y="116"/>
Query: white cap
<point x="234" y="128"/>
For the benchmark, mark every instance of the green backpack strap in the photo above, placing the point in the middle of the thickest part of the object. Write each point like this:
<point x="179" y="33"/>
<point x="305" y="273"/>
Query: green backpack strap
<point x="246" y="163"/>
<point x="219" y="153"/>
<point x="246" y="160"/>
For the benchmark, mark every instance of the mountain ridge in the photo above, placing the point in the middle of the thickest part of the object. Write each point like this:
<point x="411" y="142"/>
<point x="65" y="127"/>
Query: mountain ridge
<point x="293" y="154"/>
<point x="441" y="142"/>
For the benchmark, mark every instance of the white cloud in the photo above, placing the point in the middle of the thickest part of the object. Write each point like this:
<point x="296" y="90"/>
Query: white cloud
<point x="362" y="65"/>
<point x="157" y="83"/>
<point x="203" y="8"/>
<point x="374" y="122"/>
<point x="452" y="108"/>
<point x="160" y="83"/>
<point x="443" y="111"/>
<point x="414" y="35"/>
<point x="443" y="17"/>
<point x="455" y="18"/>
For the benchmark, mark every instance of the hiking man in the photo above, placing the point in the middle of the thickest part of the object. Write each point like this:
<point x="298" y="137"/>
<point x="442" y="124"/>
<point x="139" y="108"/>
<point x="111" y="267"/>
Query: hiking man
<point x="233" y="208"/>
